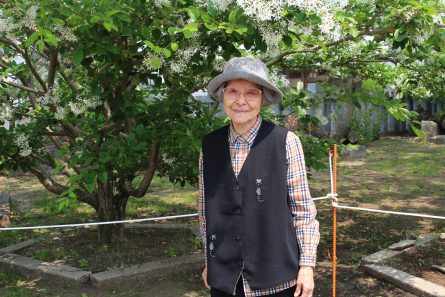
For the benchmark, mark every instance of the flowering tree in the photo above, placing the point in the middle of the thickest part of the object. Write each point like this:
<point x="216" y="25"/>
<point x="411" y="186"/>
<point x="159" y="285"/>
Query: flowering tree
<point x="100" y="91"/>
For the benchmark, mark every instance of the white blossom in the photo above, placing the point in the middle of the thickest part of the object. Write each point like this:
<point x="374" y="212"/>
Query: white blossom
<point x="81" y="104"/>
<point x="262" y="10"/>
<point x="221" y="5"/>
<point x="23" y="144"/>
<point x="278" y="78"/>
<point x="159" y="3"/>
<point x="183" y="57"/>
<point x="65" y="34"/>
<point x="6" y="112"/>
<point x="60" y="113"/>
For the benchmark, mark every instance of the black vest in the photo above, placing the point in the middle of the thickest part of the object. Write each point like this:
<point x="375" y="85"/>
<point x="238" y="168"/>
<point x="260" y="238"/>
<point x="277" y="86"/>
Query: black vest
<point x="249" y="223"/>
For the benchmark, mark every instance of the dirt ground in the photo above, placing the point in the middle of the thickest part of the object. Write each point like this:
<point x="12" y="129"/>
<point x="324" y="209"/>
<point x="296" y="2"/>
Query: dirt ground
<point x="418" y="262"/>
<point x="80" y="248"/>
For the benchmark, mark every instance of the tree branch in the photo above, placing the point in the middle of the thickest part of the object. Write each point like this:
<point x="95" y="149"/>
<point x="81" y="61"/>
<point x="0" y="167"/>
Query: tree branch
<point x="316" y="48"/>
<point x="52" y="68"/>
<point x="148" y="176"/>
<point x="13" y="44"/>
<point x="34" y="71"/>
<point x="25" y="88"/>
<point x="58" y="189"/>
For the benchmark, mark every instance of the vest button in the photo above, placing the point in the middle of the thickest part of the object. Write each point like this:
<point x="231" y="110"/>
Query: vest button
<point x="237" y="187"/>
<point x="238" y="238"/>
<point x="238" y="211"/>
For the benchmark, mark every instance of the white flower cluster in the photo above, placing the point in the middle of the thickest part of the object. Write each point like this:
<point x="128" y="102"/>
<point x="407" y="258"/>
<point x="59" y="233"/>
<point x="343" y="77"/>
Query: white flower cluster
<point x="278" y="78"/>
<point x="65" y="34"/>
<point x="6" y="112"/>
<point x="421" y="37"/>
<point x="50" y="97"/>
<point x="218" y="64"/>
<point x="263" y="10"/>
<point x="8" y="25"/>
<point x="221" y="5"/>
<point x="268" y="10"/>
<point x="159" y="3"/>
<point x="60" y="113"/>
<point x="272" y="37"/>
<point x="82" y="104"/>
<point x="179" y="64"/>
<point x="23" y="144"/>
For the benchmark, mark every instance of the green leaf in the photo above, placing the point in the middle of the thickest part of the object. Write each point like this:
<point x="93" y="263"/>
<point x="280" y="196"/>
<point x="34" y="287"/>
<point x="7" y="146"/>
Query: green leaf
<point x="287" y="40"/>
<point x="95" y="19"/>
<point x="353" y="31"/>
<point x="90" y="186"/>
<point x="155" y="62"/>
<point x="172" y="30"/>
<point x="32" y="38"/>
<point x="174" y="46"/>
<point x="398" y="35"/>
<point x="192" y="27"/>
<point x="156" y="33"/>
<point x="211" y="26"/>
<point x="65" y="11"/>
<point x="193" y="13"/>
<point x="77" y="57"/>
<point x="232" y="17"/>
<point x="103" y="176"/>
<point x="40" y="45"/>
<point x="166" y="53"/>
<point x="59" y="21"/>
<point x="110" y="26"/>
<point x="187" y="33"/>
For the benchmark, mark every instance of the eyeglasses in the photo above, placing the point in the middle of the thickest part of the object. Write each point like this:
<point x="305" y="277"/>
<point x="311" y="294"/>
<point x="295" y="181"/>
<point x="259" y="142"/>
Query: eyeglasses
<point x="249" y="94"/>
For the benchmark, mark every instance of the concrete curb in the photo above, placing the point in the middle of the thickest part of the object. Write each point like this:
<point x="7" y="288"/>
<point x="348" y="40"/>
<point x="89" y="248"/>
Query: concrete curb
<point x="406" y="281"/>
<point x="18" y="246"/>
<point x="147" y="271"/>
<point x="55" y="273"/>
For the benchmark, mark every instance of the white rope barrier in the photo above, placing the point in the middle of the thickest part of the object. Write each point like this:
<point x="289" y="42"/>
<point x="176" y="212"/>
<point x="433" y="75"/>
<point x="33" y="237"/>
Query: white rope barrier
<point x="100" y="223"/>
<point x="389" y="211"/>
<point x="328" y="196"/>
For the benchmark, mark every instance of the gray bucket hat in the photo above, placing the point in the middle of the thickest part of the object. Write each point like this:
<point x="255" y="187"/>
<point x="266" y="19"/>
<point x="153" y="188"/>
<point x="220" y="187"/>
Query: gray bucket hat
<point x="250" y="69"/>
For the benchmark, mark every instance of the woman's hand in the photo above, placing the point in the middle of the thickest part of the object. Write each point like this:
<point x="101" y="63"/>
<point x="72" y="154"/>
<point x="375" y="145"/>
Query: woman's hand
<point x="204" y="277"/>
<point x="305" y="282"/>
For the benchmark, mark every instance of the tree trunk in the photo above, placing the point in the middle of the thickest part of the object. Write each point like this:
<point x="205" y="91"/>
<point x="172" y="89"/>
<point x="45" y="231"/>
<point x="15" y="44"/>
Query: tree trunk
<point x="343" y="121"/>
<point x="111" y="208"/>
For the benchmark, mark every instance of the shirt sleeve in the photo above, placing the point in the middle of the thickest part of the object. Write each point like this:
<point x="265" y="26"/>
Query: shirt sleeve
<point x="300" y="202"/>
<point x="201" y="206"/>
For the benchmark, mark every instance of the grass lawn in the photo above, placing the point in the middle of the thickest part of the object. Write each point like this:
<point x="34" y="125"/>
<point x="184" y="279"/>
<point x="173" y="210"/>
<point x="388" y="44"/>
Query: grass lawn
<point x="395" y="175"/>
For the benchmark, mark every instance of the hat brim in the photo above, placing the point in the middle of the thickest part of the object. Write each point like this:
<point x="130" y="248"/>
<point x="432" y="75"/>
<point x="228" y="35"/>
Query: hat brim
<point x="273" y="95"/>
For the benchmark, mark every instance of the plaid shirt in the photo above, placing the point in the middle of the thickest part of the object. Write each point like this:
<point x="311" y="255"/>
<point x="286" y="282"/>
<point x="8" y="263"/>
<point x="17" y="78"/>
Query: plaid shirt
<point x="299" y="199"/>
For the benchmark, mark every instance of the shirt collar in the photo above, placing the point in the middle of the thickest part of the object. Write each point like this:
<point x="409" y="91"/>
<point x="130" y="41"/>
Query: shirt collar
<point x="249" y="136"/>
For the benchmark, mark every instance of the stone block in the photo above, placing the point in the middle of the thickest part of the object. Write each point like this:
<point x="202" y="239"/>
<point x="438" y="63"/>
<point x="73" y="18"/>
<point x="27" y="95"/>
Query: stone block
<point x="401" y="245"/>
<point x="438" y="139"/>
<point x="354" y="151"/>
<point x="147" y="272"/>
<point x="425" y="238"/>
<point x="54" y="273"/>
<point x="415" y="285"/>
<point x="18" y="246"/>
<point x="5" y="210"/>
<point x="380" y="256"/>
<point x="430" y="128"/>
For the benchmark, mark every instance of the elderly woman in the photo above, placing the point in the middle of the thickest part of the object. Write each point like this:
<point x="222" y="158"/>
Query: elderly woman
<point x="256" y="215"/>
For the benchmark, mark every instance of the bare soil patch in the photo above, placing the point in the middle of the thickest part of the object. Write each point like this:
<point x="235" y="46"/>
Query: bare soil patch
<point x="80" y="248"/>
<point x="418" y="262"/>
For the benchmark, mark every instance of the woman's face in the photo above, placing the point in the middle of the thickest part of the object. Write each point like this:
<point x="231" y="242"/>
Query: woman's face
<point x="242" y="101"/>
